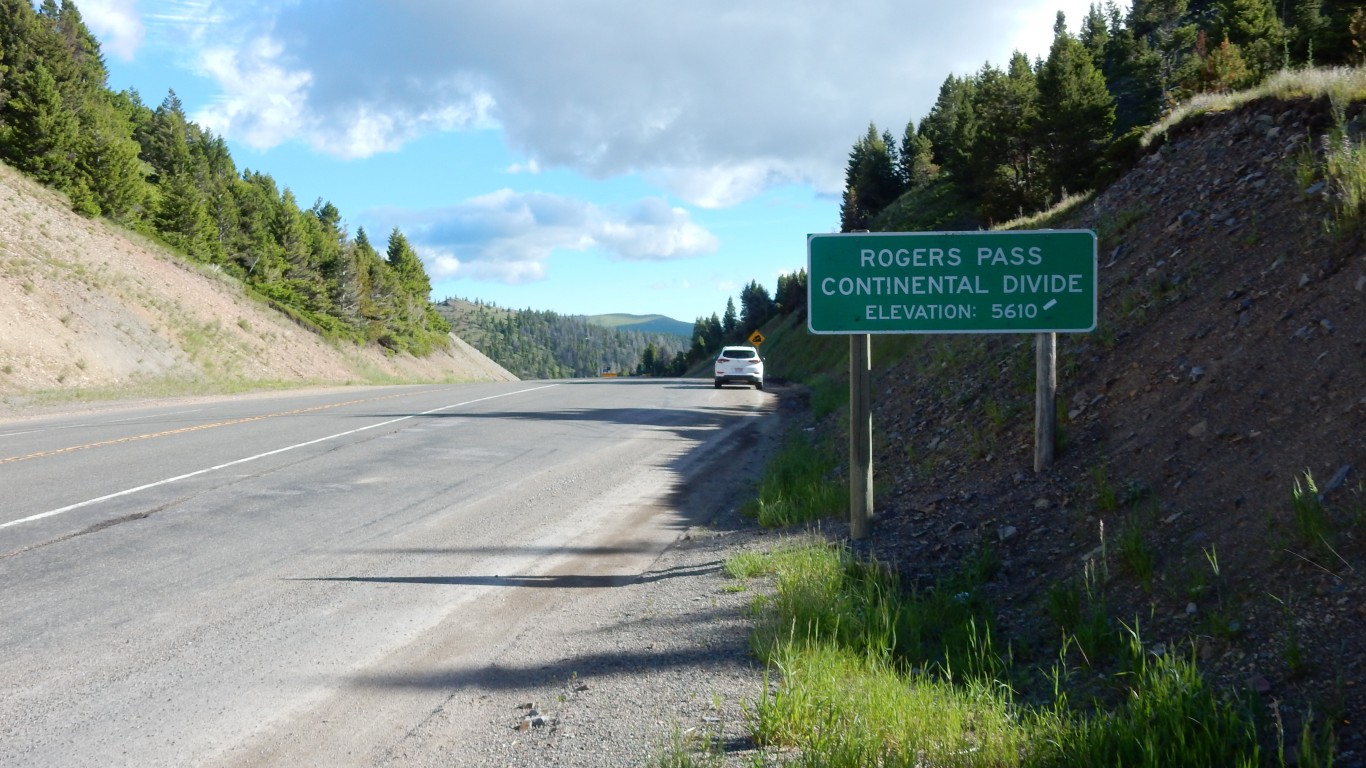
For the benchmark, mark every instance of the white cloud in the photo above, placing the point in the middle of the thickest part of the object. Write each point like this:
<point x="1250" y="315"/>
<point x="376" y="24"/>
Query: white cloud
<point x="116" y="23"/>
<point x="715" y="100"/>
<point x="509" y="236"/>
<point x="263" y="103"/>
<point x="531" y="166"/>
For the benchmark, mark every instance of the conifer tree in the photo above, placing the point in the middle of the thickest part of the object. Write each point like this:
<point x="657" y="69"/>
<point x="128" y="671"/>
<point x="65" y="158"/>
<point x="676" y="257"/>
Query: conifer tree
<point x="791" y="293"/>
<point x="872" y="181"/>
<point x="40" y="136"/>
<point x="715" y="335"/>
<point x="951" y="127"/>
<point x="756" y="307"/>
<point x="108" y="162"/>
<point x="1256" y="30"/>
<point x="183" y="220"/>
<point x="1076" y="114"/>
<point x="1132" y="73"/>
<point x="1095" y="34"/>
<point x="406" y="265"/>
<point x="1005" y="173"/>
<point x="728" y="320"/>
<point x="1306" y="35"/>
<point x="1168" y="33"/>
<point x="917" y="158"/>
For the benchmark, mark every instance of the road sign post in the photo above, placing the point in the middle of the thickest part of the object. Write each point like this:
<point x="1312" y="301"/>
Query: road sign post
<point x="860" y="435"/>
<point x="1031" y="281"/>
<point x="1035" y="281"/>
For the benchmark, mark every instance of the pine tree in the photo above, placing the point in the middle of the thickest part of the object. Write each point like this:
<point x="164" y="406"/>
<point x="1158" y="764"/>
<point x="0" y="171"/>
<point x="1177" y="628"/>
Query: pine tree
<point x="108" y="162"/>
<point x="182" y="218"/>
<point x="1132" y="72"/>
<point x="872" y="181"/>
<point x="406" y="265"/>
<point x="165" y="140"/>
<point x="17" y="20"/>
<point x="728" y="320"/>
<point x="1004" y="162"/>
<point x="917" y="158"/>
<point x="715" y="335"/>
<point x="1168" y="34"/>
<point x="252" y="244"/>
<point x="40" y="137"/>
<point x="217" y="174"/>
<point x="1076" y="114"/>
<point x="791" y="293"/>
<point x="1095" y="34"/>
<point x="1307" y="33"/>
<point x="1254" y="27"/>
<point x="756" y="307"/>
<point x="82" y="71"/>
<point x="951" y="127"/>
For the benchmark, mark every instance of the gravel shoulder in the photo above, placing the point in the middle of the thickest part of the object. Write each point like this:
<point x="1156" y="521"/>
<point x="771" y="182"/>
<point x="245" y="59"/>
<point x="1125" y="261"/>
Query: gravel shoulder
<point x="613" y="677"/>
<point x="616" y="674"/>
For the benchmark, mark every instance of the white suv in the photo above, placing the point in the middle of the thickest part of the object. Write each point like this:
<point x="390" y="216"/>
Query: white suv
<point x="741" y="364"/>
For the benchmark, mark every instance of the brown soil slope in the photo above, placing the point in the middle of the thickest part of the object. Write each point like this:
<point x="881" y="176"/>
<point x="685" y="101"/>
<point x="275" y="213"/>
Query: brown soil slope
<point x="1230" y="360"/>
<point x="85" y="306"/>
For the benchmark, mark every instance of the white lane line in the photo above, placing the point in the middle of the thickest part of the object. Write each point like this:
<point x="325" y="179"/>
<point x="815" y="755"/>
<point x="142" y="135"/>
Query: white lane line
<point x="206" y="470"/>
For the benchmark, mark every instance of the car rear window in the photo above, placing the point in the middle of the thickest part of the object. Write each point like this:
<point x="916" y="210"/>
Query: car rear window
<point x="738" y="354"/>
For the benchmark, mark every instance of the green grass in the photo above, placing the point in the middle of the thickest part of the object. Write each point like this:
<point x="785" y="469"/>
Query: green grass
<point x="690" y="749"/>
<point x="863" y="670"/>
<point x="836" y="707"/>
<point x="1170" y="717"/>
<point x="846" y="687"/>
<point x="828" y="394"/>
<point x="1135" y="552"/>
<point x="1312" y="522"/>
<point x="798" y="486"/>
<point x="1345" y="84"/>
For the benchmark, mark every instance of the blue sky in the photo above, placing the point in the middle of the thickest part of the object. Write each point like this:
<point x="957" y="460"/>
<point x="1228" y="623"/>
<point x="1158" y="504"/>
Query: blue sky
<point x="582" y="157"/>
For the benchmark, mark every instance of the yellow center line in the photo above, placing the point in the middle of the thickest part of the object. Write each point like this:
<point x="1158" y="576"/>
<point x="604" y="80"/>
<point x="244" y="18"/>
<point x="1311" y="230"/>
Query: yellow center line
<point x="196" y="428"/>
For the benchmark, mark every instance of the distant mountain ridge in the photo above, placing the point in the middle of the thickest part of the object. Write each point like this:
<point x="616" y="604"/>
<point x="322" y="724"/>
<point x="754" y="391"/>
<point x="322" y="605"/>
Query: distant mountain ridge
<point x="643" y="324"/>
<point x="545" y="345"/>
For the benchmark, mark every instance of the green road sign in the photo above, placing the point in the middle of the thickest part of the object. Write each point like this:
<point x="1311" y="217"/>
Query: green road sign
<point x="952" y="282"/>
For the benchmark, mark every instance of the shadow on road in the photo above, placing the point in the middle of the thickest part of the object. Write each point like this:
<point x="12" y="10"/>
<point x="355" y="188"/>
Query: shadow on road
<point x="567" y="581"/>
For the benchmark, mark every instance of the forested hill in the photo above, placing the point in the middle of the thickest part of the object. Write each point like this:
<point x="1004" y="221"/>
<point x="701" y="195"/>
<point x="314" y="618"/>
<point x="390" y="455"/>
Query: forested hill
<point x="154" y="171"/>
<point x="1009" y="141"/>
<point x="544" y="345"/>
<point x="643" y="324"/>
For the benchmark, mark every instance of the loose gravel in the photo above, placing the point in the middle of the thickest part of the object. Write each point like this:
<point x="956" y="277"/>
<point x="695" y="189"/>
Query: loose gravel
<point x="618" y="675"/>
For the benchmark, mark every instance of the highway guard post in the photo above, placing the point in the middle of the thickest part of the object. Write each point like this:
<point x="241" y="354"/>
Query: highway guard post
<point x="1030" y="281"/>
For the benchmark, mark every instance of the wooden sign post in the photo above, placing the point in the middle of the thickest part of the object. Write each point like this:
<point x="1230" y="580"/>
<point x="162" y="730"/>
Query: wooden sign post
<point x="860" y="435"/>
<point x="1023" y="281"/>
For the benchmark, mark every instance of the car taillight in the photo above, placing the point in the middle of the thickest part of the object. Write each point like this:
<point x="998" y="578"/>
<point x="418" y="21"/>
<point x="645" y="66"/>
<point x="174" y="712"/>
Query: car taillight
<point x="723" y="359"/>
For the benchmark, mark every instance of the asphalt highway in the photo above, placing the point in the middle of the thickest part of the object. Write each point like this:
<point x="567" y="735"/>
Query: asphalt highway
<point x="239" y="581"/>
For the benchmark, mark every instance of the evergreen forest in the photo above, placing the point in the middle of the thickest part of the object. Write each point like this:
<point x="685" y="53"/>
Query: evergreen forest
<point x="998" y="144"/>
<point x="534" y="344"/>
<point x="1007" y="142"/>
<point x="156" y="172"/>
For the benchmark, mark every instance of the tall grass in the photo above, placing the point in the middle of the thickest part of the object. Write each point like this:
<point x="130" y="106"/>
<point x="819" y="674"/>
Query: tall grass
<point x="1170" y="717"/>
<point x="798" y="486"/>
<point x="839" y="708"/>
<point x="845" y="687"/>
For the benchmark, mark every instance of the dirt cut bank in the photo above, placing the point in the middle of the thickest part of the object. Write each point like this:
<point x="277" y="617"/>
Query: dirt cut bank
<point x="1228" y="366"/>
<point x="89" y="306"/>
